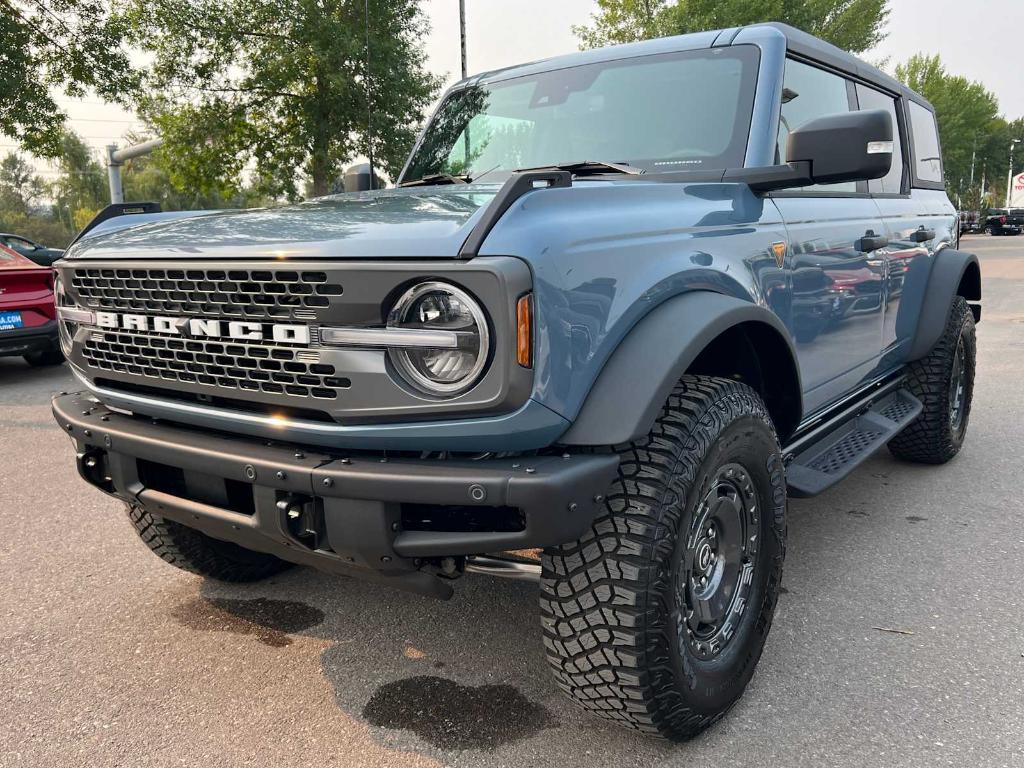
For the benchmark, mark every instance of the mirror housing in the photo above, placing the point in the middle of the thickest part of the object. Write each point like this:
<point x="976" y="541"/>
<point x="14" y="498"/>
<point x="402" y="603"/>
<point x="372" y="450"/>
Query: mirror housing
<point x="848" y="146"/>
<point x="356" y="178"/>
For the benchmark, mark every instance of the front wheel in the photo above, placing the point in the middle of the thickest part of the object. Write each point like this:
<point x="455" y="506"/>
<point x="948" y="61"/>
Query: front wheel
<point x="195" y="552"/>
<point x="657" y="617"/>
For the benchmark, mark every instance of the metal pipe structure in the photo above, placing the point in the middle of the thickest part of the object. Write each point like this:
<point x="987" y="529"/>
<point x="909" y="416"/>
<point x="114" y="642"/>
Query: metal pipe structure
<point x="118" y="157"/>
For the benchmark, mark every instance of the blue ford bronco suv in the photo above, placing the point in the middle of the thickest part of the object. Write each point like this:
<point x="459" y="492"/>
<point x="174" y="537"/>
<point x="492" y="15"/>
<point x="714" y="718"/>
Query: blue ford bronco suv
<point x="620" y="305"/>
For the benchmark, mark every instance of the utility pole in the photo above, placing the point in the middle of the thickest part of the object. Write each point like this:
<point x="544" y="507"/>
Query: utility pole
<point x="118" y="157"/>
<point x="974" y="151"/>
<point x="462" y="43"/>
<point x="369" y="97"/>
<point x="462" y="34"/>
<point x="1009" y="173"/>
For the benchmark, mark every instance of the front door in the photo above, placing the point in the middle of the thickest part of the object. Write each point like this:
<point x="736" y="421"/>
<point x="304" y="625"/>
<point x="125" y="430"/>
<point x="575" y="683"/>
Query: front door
<point x="838" y="269"/>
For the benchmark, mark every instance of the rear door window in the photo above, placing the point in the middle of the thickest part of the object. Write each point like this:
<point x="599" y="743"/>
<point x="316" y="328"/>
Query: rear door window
<point x="927" y="157"/>
<point x="892" y="182"/>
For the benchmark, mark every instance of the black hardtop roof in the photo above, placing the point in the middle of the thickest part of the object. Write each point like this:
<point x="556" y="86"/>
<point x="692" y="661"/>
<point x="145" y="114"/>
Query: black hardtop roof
<point x="809" y="46"/>
<point x="797" y="42"/>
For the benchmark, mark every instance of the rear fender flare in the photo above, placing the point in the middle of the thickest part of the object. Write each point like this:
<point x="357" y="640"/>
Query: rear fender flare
<point x="928" y="309"/>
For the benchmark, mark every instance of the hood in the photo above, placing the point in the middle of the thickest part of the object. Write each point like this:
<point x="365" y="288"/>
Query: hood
<point x="415" y="222"/>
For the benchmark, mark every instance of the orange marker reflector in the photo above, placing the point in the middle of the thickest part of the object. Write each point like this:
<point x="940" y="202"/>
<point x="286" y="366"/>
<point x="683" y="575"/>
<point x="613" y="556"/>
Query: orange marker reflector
<point x="524" y="331"/>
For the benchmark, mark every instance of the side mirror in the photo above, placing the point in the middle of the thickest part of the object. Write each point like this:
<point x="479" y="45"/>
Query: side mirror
<point x="357" y="179"/>
<point x="847" y="146"/>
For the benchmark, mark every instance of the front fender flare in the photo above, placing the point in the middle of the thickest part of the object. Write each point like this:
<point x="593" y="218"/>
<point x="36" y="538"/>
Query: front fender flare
<point x="636" y="381"/>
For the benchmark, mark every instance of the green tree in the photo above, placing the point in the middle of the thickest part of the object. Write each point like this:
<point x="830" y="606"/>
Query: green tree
<point x="280" y="87"/>
<point x="82" y="183"/>
<point x="70" y="45"/>
<point x="21" y="188"/>
<point x="968" y="117"/>
<point x="853" y="25"/>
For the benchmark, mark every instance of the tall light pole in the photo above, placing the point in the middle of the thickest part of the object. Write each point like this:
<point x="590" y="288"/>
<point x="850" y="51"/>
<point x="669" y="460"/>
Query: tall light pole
<point x="462" y="34"/>
<point x="1009" y="173"/>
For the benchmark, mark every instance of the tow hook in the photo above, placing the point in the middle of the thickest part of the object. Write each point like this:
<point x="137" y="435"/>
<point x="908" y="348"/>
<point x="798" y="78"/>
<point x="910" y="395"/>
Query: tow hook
<point x="302" y="517"/>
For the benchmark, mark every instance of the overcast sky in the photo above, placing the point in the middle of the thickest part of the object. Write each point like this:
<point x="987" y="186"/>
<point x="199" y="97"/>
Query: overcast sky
<point x="979" y="39"/>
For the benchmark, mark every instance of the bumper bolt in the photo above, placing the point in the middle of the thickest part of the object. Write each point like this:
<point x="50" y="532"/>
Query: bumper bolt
<point x="530" y="470"/>
<point x="300" y="455"/>
<point x="328" y="482"/>
<point x="599" y="498"/>
<point x="385" y="559"/>
<point x="104" y="418"/>
<point x="106" y="440"/>
<point x="88" y="433"/>
<point x="250" y="471"/>
<point x="280" y="475"/>
<point x="573" y="507"/>
<point x="346" y="461"/>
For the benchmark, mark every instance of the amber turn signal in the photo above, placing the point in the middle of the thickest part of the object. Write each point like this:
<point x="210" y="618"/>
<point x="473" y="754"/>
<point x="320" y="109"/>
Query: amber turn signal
<point x="524" y="330"/>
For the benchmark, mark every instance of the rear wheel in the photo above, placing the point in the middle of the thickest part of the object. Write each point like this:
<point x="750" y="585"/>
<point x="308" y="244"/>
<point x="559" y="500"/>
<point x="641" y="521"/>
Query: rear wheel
<point x="50" y="356"/>
<point x="193" y="551"/>
<point x="944" y="382"/>
<point x="657" y="617"/>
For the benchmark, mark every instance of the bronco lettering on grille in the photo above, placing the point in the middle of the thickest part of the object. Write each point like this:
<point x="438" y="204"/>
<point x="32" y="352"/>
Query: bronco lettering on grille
<point x="204" y="328"/>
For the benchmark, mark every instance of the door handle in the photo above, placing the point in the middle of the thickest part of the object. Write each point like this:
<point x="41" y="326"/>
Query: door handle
<point x="922" y="235"/>
<point x="871" y="242"/>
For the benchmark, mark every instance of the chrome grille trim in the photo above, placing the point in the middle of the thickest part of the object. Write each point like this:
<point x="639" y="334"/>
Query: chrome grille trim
<point x="259" y="294"/>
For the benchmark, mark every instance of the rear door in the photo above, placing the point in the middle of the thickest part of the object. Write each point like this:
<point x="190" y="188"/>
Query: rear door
<point x="837" y="273"/>
<point x="919" y="219"/>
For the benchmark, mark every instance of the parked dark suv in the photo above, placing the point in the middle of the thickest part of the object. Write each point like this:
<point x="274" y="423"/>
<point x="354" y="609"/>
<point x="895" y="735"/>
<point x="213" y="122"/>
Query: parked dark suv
<point x="621" y="304"/>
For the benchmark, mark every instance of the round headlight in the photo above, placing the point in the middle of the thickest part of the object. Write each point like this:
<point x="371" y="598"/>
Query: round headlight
<point x="442" y="370"/>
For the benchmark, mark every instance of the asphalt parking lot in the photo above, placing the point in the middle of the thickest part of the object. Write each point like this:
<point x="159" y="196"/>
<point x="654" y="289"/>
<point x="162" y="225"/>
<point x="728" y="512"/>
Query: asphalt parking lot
<point x="109" y="657"/>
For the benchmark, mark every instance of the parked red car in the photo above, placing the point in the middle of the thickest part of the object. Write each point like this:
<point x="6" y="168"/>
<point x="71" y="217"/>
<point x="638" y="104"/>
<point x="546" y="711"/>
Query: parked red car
<point x="28" y="316"/>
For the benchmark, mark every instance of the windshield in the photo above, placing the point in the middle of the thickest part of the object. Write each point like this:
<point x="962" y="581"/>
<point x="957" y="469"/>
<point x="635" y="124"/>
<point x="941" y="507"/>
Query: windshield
<point x="679" y="111"/>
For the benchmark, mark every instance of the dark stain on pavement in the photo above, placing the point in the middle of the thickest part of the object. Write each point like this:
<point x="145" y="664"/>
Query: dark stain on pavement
<point x="452" y="716"/>
<point x="915" y="519"/>
<point x="269" y="620"/>
<point x="858" y="513"/>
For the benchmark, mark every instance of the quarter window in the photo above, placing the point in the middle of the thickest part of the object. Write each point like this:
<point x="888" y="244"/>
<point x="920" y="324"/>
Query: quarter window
<point x="892" y="182"/>
<point x="809" y="93"/>
<point x="927" y="157"/>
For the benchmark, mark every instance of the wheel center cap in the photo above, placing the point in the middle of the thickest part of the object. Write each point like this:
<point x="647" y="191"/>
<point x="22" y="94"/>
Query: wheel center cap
<point x="704" y="556"/>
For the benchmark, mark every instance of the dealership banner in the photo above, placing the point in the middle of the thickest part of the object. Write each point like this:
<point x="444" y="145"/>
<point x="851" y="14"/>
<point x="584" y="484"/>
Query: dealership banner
<point x="1017" y="191"/>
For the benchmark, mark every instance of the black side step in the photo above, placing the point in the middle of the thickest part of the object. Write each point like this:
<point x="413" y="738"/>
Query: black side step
<point x="836" y="454"/>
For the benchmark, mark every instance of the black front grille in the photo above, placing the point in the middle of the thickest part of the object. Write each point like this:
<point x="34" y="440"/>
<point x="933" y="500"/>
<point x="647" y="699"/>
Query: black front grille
<point x="255" y="367"/>
<point x="246" y="293"/>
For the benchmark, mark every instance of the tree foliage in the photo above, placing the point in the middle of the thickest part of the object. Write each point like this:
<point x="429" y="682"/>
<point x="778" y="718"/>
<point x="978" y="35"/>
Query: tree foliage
<point x="853" y="25"/>
<point x="48" y="45"/>
<point x="968" y="117"/>
<point x="280" y="86"/>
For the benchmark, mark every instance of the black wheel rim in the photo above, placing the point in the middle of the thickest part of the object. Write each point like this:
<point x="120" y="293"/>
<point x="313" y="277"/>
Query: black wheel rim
<point x="713" y="585"/>
<point x="957" y="388"/>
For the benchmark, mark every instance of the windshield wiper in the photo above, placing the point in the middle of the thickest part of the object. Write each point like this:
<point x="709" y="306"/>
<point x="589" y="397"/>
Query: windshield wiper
<point x="437" y="178"/>
<point x="590" y="168"/>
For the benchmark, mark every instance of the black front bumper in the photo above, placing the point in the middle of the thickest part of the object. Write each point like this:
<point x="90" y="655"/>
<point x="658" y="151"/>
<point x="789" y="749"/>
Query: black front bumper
<point x="22" y="341"/>
<point x="344" y="513"/>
